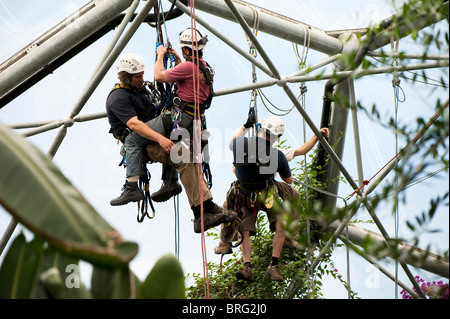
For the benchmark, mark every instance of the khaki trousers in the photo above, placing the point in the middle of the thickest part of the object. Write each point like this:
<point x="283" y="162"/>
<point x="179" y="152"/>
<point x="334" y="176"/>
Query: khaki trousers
<point x="187" y="169"/>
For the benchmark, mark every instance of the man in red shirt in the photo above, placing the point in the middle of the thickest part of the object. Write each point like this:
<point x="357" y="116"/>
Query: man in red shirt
<point x="183" y="73"/>
<point x="188" y="75"/>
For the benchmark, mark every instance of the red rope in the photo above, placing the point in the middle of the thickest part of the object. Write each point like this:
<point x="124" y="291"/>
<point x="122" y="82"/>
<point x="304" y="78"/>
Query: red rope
<point x="197" y="142"/>
<point x="414" y="140"/>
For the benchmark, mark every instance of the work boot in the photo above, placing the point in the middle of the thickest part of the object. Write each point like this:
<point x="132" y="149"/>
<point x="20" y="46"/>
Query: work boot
<point x="171" y="186"/>
<point x="228" y="234"/>
<point x="131" y="193"/>
<point x="245" y="273"/>
<point x="168" y="189"/>
<point x="274" y="273"/>
<point x="214" y="217"/>
<point x="223" y="249"/>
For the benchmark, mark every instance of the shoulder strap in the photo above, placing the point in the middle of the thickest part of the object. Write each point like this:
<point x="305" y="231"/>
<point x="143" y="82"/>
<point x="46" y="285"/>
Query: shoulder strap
<point x="208" y="71"/>
<point x="118" y="86"/>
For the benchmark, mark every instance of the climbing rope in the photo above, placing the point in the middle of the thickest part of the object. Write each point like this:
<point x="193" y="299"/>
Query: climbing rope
<point x="301" y="59"/>
<point x="397" y="88"/>
<point x="197" y="142"/>
<point x="162" y="96"/>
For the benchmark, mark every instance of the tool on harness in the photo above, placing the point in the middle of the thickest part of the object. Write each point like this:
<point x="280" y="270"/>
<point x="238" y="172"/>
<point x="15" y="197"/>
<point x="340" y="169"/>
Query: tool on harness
<point x="124" y="157"/>
<point x="269" y="198"/>
<point x="250" y="194"/>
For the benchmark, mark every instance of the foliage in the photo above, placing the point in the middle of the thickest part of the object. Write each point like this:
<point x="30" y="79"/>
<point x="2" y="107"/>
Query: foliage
<point x="66" y="229"/>
<point x="433" y="290"/>
<point x="293" y="267"/>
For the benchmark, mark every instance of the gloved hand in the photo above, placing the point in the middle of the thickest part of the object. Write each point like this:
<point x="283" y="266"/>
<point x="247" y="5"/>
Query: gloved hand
<point x="251" y="118"/>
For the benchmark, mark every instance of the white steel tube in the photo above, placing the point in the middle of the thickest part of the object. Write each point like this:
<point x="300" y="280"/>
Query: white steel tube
<point x="274" y="24"/>
<point x="100" y="73"/>
<point x="61" y="42"/>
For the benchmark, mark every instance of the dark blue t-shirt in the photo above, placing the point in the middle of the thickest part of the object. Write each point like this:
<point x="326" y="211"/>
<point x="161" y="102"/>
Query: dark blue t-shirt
<point x="255" y="160"/>
<point x="122" y="104"/>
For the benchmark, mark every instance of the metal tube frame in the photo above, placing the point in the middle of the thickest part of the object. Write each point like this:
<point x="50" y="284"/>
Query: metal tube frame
<point x="282" y="82"/>
<point x="295" y="32"/>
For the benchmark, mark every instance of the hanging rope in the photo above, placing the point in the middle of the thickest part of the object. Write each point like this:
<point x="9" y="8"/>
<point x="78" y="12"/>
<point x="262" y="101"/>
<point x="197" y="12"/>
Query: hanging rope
<point x="176" y="207"/>
<point x="253" y="52"/>
<point x="197" y="141"/>
<point x="301" y="58"/>
<point x="397" y="89"/>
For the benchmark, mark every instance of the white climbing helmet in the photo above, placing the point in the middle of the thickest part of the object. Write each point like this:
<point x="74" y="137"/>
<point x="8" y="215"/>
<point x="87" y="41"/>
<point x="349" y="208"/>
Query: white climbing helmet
<point x="187" y="41"/>
<point x="274" y="125"/>
<point x="130" y="63"/>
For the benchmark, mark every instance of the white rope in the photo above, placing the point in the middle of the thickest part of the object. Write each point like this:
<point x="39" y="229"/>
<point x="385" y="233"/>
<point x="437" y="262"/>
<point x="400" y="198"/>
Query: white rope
<point x="396" y="87"/>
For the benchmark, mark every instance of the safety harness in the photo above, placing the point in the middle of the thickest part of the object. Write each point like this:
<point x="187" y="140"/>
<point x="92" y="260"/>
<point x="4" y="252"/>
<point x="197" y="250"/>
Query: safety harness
<point x="181" y="108"/>
<point x="144" y="180"/>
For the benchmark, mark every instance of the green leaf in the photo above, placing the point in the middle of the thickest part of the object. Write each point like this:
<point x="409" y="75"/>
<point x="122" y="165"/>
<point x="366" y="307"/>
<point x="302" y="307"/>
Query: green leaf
<point x="165" y="281"/>
<point x="40" y="197"/>
<point x="52" y="282"/>
<point x="19" y="270"/>
<point x="69" y="272"/>
<point x="119" y="283"/>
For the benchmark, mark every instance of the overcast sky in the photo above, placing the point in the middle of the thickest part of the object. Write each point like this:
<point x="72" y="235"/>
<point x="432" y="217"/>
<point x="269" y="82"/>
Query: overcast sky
<point x="89" y="156"/>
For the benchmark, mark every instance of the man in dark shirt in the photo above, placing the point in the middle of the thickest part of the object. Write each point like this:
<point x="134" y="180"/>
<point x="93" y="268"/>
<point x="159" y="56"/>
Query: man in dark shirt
<point x="256" y="161"/>
<point x="129" y="107"/>
<point x="159" y="149"/>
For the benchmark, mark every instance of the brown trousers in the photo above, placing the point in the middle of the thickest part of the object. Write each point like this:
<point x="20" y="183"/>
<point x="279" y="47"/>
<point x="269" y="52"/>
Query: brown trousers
<point x="228" y="234"/>
<point x="188" y="170"/>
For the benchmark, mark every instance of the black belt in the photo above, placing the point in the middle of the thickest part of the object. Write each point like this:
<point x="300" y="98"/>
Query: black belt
<point x="187" y="107"/>
<point x="249" y="188"/>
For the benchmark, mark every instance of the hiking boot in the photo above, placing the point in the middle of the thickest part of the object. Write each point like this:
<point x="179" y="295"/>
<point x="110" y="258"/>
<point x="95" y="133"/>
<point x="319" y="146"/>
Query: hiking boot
<point x="131" y="193"/>
<point x="214" y="217"/>
<point x="170" y="188"/>
<point x="245" y="273"/>
<point x="274" y="273"/>
<point x="223" y="249"/>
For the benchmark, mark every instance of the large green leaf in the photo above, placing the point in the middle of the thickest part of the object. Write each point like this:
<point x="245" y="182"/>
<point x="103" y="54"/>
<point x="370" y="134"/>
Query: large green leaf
<point x="40" y="197"/>
<point x="119" y="283"/>
<point x="165" y="281"/>
<point x="20" y="268"/>
<point x="57" y="266"/>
